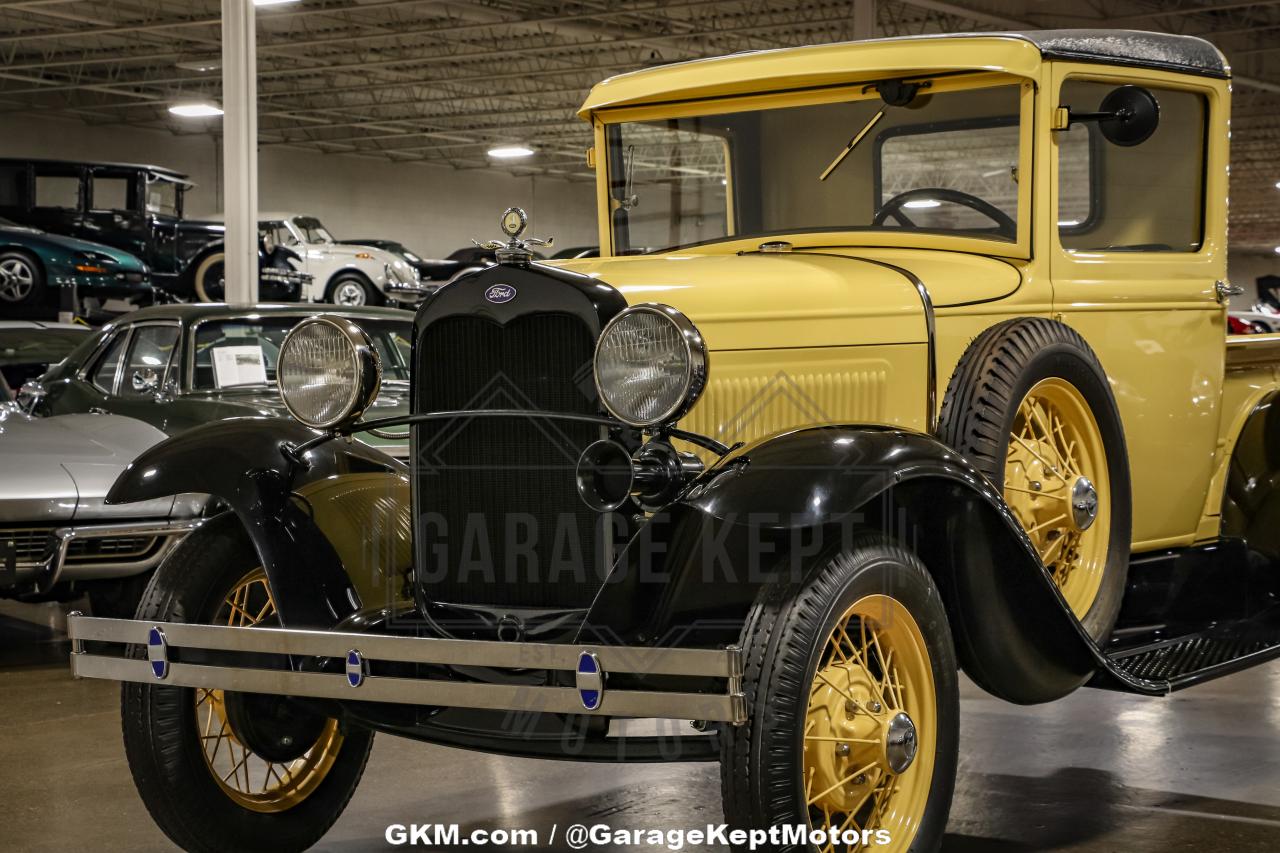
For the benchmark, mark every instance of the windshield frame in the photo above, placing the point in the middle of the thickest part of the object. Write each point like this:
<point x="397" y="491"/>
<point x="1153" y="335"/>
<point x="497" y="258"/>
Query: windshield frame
<point x="826" y="236"/>
<point x="304" y="231"/>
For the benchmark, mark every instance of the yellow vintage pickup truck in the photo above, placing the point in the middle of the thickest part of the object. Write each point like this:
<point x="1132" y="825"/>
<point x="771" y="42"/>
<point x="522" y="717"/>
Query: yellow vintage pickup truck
<point x="901" y="358"/>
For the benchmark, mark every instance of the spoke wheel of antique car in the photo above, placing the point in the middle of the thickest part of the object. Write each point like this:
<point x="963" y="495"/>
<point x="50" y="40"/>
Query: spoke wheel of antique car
<point x="220" y="770"/>
<point x="21" y="279"/>
<point x="209" y="279"/>
<point x="352" y="291"/>
<point x="288" y="772"/>
<point x="853" y="704"/>
<point x="1030" y="407"/>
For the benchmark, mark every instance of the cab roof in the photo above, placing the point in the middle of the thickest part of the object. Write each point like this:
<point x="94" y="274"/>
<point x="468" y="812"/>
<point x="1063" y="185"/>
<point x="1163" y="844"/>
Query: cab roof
<point x="1018" y="53"/>
<point x="162" y="172"/>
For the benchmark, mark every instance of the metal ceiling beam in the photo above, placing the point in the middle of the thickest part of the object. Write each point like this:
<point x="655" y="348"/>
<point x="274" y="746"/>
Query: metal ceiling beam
<point x="268" y="48"/>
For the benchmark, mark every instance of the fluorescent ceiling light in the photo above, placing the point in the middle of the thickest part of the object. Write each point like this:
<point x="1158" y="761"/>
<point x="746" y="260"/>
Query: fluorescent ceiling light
<point x="510" y="152"/>
<point x="200" y="110"/>
<point x="1278" y="250"/>
<point x="923" y="203"/>
<point x="272" y="2"/>
<point x="1067" y="223"/>
<point x="211" y="63"/>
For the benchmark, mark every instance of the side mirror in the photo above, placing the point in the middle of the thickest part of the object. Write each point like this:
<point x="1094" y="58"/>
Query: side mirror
<point x="1127" y="116"/>
<point x="145" y="381"/>
<point x="30" y="395"/>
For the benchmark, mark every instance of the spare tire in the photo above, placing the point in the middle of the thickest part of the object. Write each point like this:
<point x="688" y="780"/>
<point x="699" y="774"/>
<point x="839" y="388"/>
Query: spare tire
<point x="1029" y="405"/>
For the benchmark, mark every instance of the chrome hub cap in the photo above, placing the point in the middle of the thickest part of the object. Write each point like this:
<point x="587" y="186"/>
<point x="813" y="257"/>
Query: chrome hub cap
<point x="349" y="294"/>
<point x="900" y="743"/>
<point x="1084" y="503"/>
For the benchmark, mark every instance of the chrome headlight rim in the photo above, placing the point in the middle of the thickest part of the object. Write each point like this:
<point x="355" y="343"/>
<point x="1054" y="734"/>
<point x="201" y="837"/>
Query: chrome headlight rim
<point x="695" y="379"/>
<point x="366" y="366"/>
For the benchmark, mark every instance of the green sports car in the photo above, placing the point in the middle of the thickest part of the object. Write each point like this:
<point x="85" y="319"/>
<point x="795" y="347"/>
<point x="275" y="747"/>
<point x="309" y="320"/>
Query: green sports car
<point x="34" y="263"/>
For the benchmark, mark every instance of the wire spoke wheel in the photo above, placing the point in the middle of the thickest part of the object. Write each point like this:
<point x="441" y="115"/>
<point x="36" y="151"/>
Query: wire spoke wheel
<point x="248" y="779"/>
<point x="870" y="731"/>
<point x="1056" y="482"/>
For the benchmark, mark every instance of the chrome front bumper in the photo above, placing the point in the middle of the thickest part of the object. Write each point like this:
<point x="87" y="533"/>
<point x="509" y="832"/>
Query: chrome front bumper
<point x="55" y="567"/>
<point x="591" y="666"/>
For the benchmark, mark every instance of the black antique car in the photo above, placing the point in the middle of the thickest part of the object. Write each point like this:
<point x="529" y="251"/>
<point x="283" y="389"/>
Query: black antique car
<point x="138" y="209"/>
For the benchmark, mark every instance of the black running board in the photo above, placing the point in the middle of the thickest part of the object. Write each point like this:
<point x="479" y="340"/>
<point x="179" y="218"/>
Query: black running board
<point x="1191" y="616"/>
<point x="1163" y="666"/>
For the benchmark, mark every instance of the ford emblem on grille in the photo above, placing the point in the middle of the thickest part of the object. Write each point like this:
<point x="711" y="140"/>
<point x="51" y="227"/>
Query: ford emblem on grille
<point x="590" y="681"/>
<point x="355" y="668"/>
<point x="500" y="293"/>
<point x="158" y="652"/>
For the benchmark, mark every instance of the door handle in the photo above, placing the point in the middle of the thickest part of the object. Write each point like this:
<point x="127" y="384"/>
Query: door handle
<point x="1225" y="290"/>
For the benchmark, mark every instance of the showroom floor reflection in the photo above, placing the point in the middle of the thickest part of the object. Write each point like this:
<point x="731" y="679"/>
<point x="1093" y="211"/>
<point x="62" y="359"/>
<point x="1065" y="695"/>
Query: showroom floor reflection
<point x="1097" y="771"/>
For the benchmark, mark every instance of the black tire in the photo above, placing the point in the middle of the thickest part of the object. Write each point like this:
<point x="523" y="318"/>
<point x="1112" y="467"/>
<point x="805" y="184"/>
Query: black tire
<point x="165" y="754"/>
<point x="22" y="280"/>
<point x="361" y="291"/>
<point x="978" y="412"/>
<point x="209" y="278"/>
<point x="118" y="598"/>
<point x="761" y="762"/>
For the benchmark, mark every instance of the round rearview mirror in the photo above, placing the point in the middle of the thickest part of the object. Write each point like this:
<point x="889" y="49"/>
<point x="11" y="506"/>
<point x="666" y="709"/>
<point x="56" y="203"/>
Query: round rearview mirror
<point x="1130" y="115"/>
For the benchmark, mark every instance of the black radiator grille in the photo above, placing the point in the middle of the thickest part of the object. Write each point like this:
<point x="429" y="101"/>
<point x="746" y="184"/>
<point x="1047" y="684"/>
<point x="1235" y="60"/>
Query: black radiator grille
<point x="500" y="521"/>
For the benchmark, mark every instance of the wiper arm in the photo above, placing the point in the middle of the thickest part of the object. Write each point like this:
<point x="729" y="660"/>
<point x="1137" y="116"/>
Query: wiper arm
<point x="852" y="144"/>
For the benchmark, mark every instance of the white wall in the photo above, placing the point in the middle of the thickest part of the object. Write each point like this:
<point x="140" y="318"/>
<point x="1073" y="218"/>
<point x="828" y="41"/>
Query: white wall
<point x="431" y="209"/>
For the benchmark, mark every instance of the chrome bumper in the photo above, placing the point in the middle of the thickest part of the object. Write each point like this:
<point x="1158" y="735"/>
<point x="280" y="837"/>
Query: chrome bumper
<point x="591" y="666"/>
<point x="51" y="570"/>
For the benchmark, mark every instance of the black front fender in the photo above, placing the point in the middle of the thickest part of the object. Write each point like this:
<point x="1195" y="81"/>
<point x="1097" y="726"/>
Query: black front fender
<point x="242" y="461"/>
<point x="691" y="576"/>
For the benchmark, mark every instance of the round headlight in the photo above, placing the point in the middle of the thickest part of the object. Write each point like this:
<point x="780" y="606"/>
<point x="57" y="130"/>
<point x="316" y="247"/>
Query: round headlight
<point x="329" y="372"/>
<point x="650" y="365"/>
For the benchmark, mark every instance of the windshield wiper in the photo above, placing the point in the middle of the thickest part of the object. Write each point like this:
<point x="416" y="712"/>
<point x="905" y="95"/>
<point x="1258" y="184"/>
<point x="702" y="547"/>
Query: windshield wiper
<point x="852" y="144"/>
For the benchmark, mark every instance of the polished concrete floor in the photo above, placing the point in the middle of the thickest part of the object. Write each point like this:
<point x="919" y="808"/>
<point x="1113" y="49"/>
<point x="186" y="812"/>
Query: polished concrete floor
<point x="1094" y="772"/>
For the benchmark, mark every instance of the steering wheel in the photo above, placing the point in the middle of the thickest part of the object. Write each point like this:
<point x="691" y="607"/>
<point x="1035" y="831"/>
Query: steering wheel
<point x="1005" y="226"/>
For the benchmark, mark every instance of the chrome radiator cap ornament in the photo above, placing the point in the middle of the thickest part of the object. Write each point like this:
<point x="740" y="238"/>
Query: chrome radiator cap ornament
<point x="515" y="250"/>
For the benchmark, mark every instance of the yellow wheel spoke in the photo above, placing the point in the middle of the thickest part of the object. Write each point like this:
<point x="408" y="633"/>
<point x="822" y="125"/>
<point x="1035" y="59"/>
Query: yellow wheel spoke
<point x="1047" y="465"/>
<point x="1044" y="524"/>
<point x="849" y="778"/>
<point x="846" y="694"/>
<point x="838" y="739"/>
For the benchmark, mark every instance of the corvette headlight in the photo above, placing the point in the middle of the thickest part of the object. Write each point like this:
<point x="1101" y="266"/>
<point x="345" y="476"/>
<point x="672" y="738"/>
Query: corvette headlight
<point x="650" y="365"/>
<point x="329" y="372"/>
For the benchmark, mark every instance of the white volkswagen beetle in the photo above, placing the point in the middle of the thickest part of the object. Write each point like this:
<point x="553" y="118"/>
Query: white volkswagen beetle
<point x="342" y="274"/>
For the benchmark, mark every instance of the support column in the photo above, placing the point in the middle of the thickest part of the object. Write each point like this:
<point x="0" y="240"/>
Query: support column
<point x="864" y="19"/>
<point x="240" y="148"/>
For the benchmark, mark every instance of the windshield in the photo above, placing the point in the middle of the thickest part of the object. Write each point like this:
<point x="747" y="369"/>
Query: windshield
<point x="163" y="197"/>
<point x="251" y="349"/>
<point x="312" y="230"/>
<point x="946" y="164"/>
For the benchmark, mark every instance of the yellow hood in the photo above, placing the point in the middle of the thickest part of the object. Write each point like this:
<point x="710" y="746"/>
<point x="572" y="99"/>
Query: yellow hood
<point x="822" y="298"/>
<point x="764" y="301"/>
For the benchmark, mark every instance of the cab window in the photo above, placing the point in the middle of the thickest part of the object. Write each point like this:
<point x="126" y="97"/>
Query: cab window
<point x="58" y="191"/>
<point x="103" y="375"/>
<point x="150" y="352"/>
<point x="110" y="192"/>
<point x="1147" y="197"/>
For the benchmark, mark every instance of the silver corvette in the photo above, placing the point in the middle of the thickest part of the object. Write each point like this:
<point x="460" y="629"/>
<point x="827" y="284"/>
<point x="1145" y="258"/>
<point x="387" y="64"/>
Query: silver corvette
<point x="58" y="538"/>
